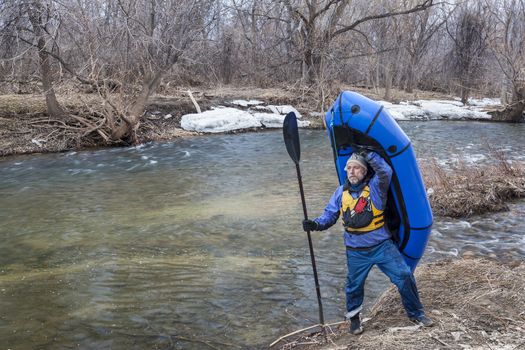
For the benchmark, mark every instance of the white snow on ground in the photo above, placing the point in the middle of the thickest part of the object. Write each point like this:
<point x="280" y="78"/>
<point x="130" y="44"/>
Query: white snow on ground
<point x="227" y="119"/>
<point x="222" y="119"/>
<point x="482" y="102"/>
<point x="272" y="120"/>
<point x="439" y="109"/>
<point x="219" y="120"/>
<point x="404" y="111"/>
<point x="279" y="110"/>
<point x="288" y="109"/>
<point x="270" y="108"/>
<point x="446" y="110"/>
<point x="262" y="108"/>
<point x="244" y="103"/>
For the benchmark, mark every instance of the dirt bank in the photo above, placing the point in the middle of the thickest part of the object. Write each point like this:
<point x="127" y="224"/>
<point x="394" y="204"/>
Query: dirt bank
<point x="475" y="304"/>
<point x="26" y="128"/>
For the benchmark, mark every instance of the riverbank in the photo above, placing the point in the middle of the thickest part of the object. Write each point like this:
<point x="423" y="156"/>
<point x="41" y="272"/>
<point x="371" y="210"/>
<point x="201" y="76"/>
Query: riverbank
<point x="26" y="128"/>
<point x="475" y="304"/>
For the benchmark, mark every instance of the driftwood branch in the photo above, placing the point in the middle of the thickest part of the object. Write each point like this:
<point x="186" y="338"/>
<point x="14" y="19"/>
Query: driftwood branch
<point x="294" y="333"/>
<point x="306" y="329"/>
<point x="194" y="102"/>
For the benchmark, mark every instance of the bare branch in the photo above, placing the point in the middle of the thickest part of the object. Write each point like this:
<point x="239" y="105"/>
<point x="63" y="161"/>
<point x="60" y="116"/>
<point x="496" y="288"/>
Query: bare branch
<point x="421" y="7"/>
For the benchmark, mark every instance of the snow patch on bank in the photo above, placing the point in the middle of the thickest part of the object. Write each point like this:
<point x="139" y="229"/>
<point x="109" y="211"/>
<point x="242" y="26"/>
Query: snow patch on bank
<point x="219" y="120"/>
<point x="440" y="109"/>
<point x="244" y="103"/>
<point x="279" y="110"/>
<point x="223" y="119"/>
<point x="483" y="102"/>
<point x="256" y="115"/>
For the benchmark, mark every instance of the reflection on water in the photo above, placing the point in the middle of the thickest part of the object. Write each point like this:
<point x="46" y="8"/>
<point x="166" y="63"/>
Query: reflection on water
<point x="197" y="243"/>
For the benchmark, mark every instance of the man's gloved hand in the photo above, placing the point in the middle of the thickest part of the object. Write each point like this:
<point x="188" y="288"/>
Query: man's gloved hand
<point x="310" y="225"/>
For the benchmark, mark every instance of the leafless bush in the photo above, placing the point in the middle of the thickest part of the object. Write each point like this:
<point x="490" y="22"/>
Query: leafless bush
<point x="466" y="190"/>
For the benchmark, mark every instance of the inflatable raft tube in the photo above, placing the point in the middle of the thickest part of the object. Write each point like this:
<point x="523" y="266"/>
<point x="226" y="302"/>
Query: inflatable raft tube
<point x="356" y="121"/>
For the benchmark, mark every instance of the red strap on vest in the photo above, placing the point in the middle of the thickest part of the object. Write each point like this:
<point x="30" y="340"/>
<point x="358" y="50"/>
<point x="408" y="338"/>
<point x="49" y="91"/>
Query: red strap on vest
<point x="360" y="206"/>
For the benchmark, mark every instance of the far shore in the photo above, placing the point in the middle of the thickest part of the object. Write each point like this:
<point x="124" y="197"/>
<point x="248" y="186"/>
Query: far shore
<point x="25" y="127"/>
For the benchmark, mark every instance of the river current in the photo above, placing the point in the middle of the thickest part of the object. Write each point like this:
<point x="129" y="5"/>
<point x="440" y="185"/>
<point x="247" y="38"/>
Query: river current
<point x="197" y="243"/>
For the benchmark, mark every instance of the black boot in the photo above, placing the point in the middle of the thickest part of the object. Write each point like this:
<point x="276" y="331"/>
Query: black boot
<point x="355" y="325"/>
<point x="423" y="321"/>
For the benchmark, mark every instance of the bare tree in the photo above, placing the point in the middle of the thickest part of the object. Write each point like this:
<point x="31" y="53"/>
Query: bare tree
<point x="509" y="47"/>
<point x="134" y="43"/>
<point x="34" y="24"/>
<point x="384" y="41"/>
<point x="420" y="27"/>
<point x="264" y="37"/>
<point x="321" y="22"/>
<point x="227" y="55"/>
<point x="470" y="35"/>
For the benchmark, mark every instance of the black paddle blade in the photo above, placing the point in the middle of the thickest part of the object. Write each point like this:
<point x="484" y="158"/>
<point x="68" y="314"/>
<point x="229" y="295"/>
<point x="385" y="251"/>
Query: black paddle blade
<point x="291" y="137"/>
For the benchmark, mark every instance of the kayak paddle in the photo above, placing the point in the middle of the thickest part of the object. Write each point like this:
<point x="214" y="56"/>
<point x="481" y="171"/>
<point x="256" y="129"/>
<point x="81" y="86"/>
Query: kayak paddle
<point x="291" y="140"/>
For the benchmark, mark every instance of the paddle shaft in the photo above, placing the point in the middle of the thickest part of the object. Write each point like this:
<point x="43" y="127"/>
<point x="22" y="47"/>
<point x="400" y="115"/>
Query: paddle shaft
<point x="312" y="257"/>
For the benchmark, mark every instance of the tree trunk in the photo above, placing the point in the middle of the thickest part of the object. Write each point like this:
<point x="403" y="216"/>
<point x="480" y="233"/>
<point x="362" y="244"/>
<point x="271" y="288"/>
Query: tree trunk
<point x="514" y="112"/>
<point x="410" y="81"/>
<point x="312" y="61"/>
<point x="312" y="56"/>
<point x="127" y="129"/>
<point x="53" y="107"/>
<point x="505" y="92"/>
<point x="411" y="75"/>
<point x="465" y="86"/>
<point x="227" y="52"/>
<point x="464" y="95"/>
<point x="388" y="83"/>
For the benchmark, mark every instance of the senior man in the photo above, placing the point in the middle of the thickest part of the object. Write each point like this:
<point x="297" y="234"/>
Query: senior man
<point x="361" y="202"/>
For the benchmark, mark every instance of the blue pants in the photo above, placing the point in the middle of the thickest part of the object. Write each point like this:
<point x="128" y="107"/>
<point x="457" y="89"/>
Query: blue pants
<point x="389" y="260"/>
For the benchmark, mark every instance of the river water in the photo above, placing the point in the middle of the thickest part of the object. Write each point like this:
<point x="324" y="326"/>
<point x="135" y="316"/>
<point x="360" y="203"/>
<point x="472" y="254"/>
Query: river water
<point x="197" y="243"/>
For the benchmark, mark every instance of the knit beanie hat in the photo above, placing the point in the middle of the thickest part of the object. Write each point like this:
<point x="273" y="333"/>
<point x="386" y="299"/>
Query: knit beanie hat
<point x="356" y="159"/>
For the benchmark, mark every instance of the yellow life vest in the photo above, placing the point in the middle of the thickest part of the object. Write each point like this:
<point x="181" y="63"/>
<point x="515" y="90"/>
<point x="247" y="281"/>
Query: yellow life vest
<point x="359" y="214"/>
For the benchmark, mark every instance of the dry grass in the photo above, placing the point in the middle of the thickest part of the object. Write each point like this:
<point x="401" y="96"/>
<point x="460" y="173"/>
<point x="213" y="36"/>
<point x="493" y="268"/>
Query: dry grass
<point x="475" y="304"/>
<point x="31" y="104"/>
<point x="14" y="105"/>
<point x="466" y="190"/>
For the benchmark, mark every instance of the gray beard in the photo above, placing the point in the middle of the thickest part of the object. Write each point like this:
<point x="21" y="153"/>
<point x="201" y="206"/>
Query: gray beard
<point x="354" y="181"/>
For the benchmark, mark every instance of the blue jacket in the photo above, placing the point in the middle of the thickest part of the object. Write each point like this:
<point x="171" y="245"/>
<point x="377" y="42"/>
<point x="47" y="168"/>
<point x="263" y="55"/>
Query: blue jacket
<point x="378" y="184"/>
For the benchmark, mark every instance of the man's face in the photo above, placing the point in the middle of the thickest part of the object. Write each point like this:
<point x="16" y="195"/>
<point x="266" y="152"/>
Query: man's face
<point x="355" y="173"/>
